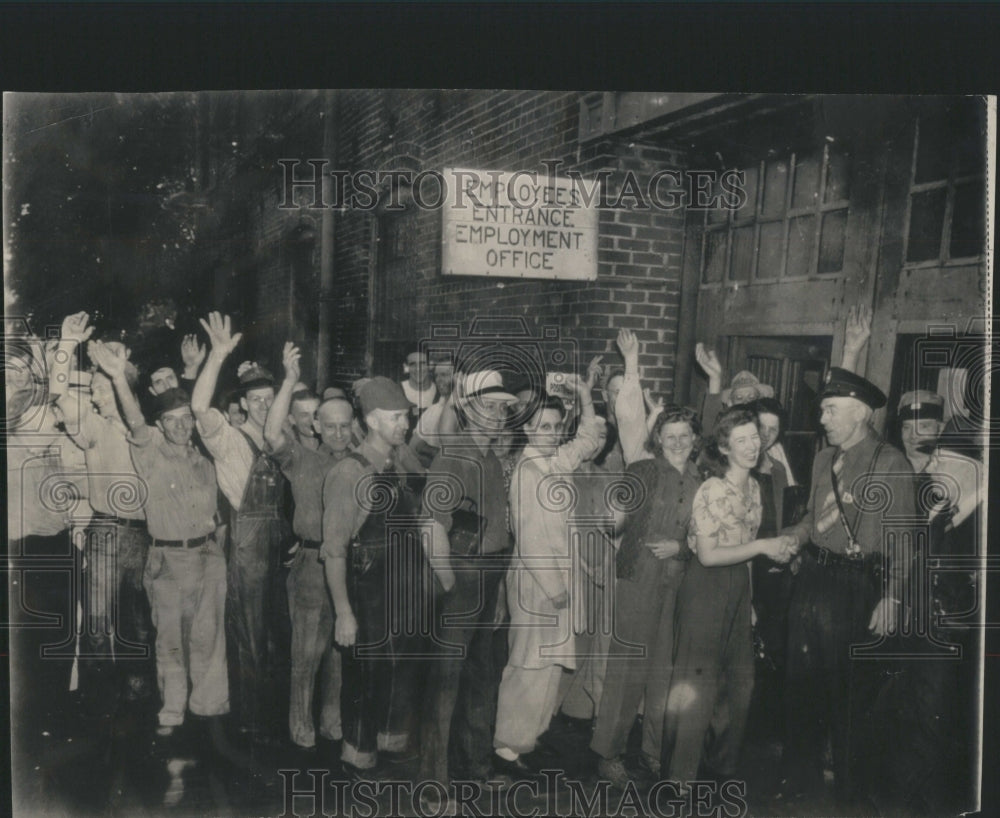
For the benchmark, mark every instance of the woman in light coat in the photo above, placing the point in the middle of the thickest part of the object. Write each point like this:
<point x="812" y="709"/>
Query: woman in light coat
<point x="538" y="580"/>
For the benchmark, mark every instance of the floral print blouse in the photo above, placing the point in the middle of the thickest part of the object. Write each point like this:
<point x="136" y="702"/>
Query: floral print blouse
<point x="724" y="512"/>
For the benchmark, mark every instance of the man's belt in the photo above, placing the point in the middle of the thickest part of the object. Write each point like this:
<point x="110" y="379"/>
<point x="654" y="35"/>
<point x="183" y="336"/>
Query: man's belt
<point x="314" y="544"/>
<point x="833" y="559"/>
<point x="100" y="516"/>
<point x="192" y="543"/>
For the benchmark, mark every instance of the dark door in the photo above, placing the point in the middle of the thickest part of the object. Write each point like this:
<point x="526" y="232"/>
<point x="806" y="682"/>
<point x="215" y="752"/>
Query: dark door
<point x="795" y="367"/>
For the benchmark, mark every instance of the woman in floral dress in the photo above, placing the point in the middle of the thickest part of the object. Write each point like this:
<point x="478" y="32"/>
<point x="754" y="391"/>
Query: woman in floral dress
<point x="713" y="655"/>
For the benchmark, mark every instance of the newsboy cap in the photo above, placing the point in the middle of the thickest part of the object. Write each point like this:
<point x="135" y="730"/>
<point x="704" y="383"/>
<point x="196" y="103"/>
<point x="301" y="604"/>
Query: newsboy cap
<point x="382" y="393"/>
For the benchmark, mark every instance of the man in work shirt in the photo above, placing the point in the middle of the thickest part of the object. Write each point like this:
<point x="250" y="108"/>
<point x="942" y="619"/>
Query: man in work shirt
<point x="308" y="599"/>
<point x="185" y="573"/>
<point x="856" y="545"/>
<point x="254" y="486"/>
<point x="117" y="617"/>
<point x="466" y="499"/>
<point x="365" y="564"/>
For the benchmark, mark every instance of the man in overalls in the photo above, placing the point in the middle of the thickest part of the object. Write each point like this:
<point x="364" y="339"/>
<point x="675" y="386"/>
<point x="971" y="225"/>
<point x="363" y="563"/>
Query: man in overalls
<point x="372" y="565"/>
<point x="252" y="482"/>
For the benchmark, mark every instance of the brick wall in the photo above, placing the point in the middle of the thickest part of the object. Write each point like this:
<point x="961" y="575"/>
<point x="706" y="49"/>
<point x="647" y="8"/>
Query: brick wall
<point x="639" y="256"/>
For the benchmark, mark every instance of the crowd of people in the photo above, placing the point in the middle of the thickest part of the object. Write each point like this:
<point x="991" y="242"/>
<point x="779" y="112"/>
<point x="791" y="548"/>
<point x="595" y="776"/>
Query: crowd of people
<point x="435" y="568"/>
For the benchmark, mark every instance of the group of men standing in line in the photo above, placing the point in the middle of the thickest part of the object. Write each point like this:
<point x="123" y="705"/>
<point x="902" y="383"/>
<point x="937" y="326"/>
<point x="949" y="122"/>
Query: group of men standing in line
<point x="460" y="567"/>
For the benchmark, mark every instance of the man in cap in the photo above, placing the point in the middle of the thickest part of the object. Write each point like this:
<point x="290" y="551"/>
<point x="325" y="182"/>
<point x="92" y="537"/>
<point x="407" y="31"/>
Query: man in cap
<point x="469" y="550"/>
<point x="185" y="573"/>
<point x="254" y="486"/>
<point x="855" y="540"/>
<point x="308" y="600"/>
<point x="419" y="386"/>
<point x="115" y="650"/>
<point x="371" y="564"/>
<point x="928" y="758"/>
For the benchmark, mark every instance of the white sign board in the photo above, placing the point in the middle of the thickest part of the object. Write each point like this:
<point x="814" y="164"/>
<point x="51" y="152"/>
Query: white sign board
<point x="519" y="225"/>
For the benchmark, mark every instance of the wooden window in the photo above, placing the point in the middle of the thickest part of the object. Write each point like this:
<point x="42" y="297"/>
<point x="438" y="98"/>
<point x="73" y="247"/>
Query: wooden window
<point x="793" y="225"/>
<point x="946" y="213"/>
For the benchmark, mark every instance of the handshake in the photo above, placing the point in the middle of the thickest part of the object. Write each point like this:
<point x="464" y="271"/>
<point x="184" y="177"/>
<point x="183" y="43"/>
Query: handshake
<point x="781" y="549"/>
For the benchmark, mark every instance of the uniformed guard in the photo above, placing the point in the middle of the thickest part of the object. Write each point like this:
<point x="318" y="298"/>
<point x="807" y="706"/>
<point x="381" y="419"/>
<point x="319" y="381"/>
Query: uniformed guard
<point x="857" y="538"/>
<point x="930" y="704"/>
<point x="373" y="567"/>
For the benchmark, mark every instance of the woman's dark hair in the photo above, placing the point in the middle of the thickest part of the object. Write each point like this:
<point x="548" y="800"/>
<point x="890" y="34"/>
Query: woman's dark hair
<point x="546" y="401"/>
<point x="770" y="406"/>
<point x="609" y="443"/>
<point x="713" y="462"/>
<point x="672" y="413"/>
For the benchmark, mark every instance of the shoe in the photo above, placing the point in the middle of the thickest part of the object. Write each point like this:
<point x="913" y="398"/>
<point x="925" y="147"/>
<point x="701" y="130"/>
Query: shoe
<point x="352" y="773"/>
<point x="649" y="766"/>
<point x="515" y="769"/>
<point x="613" y="770"/>
<point x="400" y="757"/>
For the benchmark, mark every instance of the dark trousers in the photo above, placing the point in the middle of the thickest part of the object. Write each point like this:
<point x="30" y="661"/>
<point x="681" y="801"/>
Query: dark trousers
<point x="456" y="731"/>
<point x="117" y="658"/>
<point x="640" y="661"/>
<point x="257" y="628"/>
<point x="713" y="671"/>
<point x="826" y="691"/>
<point x="382" y="672"/>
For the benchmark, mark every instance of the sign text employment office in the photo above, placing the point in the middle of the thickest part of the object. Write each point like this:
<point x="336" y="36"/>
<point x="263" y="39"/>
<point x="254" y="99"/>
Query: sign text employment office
<point x="518" y="225"/>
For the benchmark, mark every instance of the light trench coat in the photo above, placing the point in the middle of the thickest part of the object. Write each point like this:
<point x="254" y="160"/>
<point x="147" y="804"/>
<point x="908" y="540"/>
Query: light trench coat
<point x="542" y="498"/>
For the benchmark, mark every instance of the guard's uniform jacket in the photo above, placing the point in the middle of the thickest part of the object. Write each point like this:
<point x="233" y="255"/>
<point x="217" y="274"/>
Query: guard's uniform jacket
<point x="849" y="549"/>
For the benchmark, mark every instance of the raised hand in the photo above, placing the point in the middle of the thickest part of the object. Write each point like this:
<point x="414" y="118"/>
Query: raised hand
<point x="859" y="327"/>
<point x="220" y="333"/>
<point x="290" y="356"/>
<point x="74" y="328"/>
<point x="708" y="361"/>
<point x="107" y="359"/>
<point x="652" y="404"/>
<point x="594" y="371"/>
<point x="628" y="344"/>
<point x="192" y="353"/>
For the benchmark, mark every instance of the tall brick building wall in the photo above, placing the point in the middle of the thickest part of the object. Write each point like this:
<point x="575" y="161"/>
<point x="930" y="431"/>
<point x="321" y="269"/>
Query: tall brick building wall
<point x="639" y="255"/>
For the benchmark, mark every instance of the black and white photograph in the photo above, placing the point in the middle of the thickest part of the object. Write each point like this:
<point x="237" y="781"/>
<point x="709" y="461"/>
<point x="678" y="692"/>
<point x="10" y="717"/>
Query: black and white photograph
<point x="388" y="452"/>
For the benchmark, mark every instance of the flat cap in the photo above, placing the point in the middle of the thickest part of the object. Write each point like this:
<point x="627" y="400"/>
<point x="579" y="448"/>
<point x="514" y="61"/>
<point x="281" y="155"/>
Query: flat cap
<point x="171" y="399"/>
<point x="382" y="393"/>
<point x="840" y="383"/>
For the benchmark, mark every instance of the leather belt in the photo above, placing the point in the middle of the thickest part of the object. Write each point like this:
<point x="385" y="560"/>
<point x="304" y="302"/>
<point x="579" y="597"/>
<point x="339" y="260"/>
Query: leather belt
<point x="193" y="543"/>
<point x="832" y="559"/>
<point x="315" y="544"/>
<point x="100" y="516"/>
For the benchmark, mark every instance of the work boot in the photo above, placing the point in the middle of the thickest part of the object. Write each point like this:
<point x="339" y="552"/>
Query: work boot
<point x="613" y="770"/>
